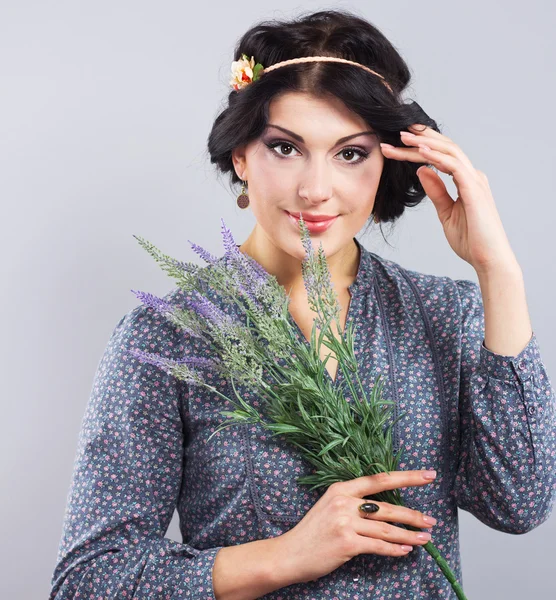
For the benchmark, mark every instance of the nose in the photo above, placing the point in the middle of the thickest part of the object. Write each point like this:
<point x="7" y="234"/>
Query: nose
<point x="316" y="185"/>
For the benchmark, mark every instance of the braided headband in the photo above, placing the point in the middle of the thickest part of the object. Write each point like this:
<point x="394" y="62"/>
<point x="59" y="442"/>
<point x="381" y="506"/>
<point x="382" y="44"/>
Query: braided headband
<point x="245" y="71"/>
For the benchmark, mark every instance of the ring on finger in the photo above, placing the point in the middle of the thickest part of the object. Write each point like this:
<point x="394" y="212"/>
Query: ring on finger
<point x="368" y="507"/>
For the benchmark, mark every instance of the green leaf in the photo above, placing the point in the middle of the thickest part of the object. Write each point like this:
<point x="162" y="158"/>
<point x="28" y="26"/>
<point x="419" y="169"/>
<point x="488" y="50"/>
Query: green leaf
<point x="283" y="428"/>
<point x="330" y="446"/>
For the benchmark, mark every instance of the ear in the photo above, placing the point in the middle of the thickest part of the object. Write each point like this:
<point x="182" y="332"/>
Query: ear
<point x="240" y="162"/>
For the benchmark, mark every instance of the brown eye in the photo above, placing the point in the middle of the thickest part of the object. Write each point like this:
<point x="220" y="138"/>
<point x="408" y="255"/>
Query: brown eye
<point x="349" y="153"/>
<point x="281" y="146"/>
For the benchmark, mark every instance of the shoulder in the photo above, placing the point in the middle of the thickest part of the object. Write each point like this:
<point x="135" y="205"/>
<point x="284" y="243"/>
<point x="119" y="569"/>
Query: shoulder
<point x="147" y="329"/>
<point x="460" y="295"/>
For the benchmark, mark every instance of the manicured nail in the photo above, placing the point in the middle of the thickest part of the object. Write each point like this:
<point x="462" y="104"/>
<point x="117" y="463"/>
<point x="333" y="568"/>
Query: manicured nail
<point x="386" y="145"/>
<point x="429" y="474"/>
<point x="406" y="548"/>
<point x="430" y="520"/>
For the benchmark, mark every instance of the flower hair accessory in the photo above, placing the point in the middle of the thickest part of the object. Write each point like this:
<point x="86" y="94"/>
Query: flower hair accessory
<point x="245" y="70"/>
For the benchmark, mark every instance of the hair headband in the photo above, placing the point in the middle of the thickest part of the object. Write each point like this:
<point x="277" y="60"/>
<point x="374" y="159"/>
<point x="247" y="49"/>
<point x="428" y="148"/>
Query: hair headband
<point x="245" y="71"/>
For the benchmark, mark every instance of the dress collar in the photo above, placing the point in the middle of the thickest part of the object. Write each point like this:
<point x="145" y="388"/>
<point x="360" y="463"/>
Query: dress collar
<point x="364" y="276"/>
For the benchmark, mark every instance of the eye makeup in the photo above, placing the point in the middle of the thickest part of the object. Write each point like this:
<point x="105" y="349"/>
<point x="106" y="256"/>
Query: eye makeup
<point x="275" y="143"/>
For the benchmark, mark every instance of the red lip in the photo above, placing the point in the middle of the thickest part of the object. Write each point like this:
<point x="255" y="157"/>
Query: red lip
<point x="312" y="218"/>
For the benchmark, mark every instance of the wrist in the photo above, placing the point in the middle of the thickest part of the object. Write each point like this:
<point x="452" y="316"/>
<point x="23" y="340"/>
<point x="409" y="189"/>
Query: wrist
<point x="280" y="569"/>
<point x="251" y="570"/>
<point x="506" y="268"/>
<point x="287" y="564"/>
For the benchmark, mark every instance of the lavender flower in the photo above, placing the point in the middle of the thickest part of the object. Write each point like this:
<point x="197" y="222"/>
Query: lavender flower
<point x="204" y="254"/>
<point x="181" y="368"/>
<point x="158" y="304"/>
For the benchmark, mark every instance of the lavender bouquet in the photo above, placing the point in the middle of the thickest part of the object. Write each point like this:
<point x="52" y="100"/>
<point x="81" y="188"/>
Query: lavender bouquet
<point x="257" y="347"/>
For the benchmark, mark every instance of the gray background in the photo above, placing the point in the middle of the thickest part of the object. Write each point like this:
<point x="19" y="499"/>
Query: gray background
<point x="105" y="108"/>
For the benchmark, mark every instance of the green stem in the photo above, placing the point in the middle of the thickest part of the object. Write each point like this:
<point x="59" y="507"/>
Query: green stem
<point x="444" y="567"/>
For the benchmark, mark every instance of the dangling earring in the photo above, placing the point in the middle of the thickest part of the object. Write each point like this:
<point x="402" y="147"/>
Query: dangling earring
<point x="243" y="198"/>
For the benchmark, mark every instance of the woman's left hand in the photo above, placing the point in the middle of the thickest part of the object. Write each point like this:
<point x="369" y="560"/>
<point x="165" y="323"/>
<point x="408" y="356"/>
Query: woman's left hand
<point x="471" y="223"/>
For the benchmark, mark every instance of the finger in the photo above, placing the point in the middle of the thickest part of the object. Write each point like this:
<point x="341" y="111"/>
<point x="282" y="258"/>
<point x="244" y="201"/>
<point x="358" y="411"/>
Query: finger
<point x="367" y="545"/>
<point x="390" y="533"/>
<point x="438" y="144"/>
<point x="436" y="190"/>
<point x="372" y="484"/>
<point x="400" y="153"/>
<point x="464" y="177"/>
<point x="419" y="129"/>
<point x="435" y="159"/>
<point x="394" y="514"/>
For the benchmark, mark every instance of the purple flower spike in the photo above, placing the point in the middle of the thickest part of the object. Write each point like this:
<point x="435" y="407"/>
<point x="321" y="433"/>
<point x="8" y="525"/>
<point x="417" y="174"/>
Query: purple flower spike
<point x="161" y="361"/>
<point x="203" y="306"/>
<point x="204" y="254"/>
<point x="154" y="302"/>
<point x="246" y="265"/>
<point x="229" y="242"/>
<point x="198" y="361"/>
<point x="150" y="358"/>
<point x="259" y="270"/>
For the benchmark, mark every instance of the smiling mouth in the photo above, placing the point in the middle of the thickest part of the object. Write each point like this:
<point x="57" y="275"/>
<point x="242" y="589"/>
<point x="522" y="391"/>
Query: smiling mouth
<point x="315" y="227"/>
<point x="315" y="219"/>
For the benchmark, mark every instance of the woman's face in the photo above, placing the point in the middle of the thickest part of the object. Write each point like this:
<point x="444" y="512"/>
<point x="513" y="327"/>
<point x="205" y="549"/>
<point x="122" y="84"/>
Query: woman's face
<point x="311" y="169"/>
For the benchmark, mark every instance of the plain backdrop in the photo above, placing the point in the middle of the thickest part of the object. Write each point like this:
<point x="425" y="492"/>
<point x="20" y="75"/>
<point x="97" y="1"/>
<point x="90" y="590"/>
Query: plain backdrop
<point x="105" y="109"/>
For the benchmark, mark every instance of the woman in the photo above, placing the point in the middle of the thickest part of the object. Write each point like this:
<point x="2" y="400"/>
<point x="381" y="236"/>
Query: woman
<point x="460" y="359"/>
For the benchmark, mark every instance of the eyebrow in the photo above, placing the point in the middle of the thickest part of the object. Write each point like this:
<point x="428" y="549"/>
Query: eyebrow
<point x="340" y="141"/>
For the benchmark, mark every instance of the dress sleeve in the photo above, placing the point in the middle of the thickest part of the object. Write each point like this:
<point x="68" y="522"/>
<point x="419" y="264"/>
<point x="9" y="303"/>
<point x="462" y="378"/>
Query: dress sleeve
<point x="126" y="479"/>
<point x="506" y="474"/>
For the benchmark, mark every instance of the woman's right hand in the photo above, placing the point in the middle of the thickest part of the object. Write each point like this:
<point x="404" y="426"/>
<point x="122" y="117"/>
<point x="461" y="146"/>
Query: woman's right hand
<point x="334" y="530"/>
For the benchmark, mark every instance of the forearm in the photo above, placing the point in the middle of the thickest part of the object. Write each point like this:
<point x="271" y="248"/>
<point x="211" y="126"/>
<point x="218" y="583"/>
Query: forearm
<point x="507" y="323"/>
<point x="248" y="571"/>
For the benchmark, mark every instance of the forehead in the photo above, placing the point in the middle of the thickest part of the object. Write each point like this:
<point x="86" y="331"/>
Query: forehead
<point x="301" y="112"/>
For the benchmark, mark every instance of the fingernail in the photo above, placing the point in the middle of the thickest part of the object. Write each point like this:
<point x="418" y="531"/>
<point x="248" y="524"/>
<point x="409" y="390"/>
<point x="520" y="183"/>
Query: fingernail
<point x="407" y="548"/>
<point x="429" y="474"/>
<point x="386" y="145"/>
<point x="424" y="536"/>
<point x="430" y="520"/>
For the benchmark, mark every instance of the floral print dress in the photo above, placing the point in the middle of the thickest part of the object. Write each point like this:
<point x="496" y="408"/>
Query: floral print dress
<point x="486" y="422"/>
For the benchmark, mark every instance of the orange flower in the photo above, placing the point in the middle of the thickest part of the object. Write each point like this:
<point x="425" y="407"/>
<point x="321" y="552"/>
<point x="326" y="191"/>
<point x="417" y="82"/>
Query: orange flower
<point x="244" y="71"/>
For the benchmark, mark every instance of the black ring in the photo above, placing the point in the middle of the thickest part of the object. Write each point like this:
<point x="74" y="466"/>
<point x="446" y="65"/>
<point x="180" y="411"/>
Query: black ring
<point x="368" y="507"/>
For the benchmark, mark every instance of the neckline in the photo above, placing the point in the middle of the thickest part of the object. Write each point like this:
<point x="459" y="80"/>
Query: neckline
<point x="362" y="281"/>
<point x="364" y="269"/>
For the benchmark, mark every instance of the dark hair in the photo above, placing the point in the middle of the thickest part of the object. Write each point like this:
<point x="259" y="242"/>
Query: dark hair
<point x="327" y="33"/>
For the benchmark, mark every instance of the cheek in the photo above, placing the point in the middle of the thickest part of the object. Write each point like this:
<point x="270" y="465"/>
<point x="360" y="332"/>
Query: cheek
<point x="269" y="183"/>
<point x="366" y="180"/>
<point x="362" y="184"/>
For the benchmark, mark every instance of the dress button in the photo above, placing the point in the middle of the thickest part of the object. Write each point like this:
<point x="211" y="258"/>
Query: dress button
<point x="531" y="410"/>
<point x="356" y="579"/>
<point x="521" y="365"/>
